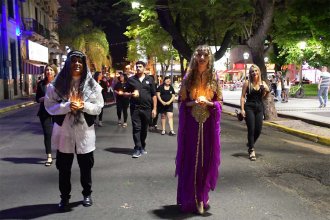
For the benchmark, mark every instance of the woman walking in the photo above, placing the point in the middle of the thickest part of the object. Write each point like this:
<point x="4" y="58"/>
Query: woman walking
<point x="252" y="109"/>
<point x="166" y="95"/>
<point x="198" y="155"/>
<point x="44" y="116"/>
<point x="122" y="98"/>
<point x="104" y="84"/>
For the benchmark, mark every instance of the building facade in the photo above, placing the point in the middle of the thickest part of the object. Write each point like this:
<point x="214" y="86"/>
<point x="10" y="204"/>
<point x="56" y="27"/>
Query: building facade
<point x="10" y="74"/>
<point x="28" y="41"/>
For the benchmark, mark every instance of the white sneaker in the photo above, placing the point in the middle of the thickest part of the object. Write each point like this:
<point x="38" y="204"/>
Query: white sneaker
<point x="100" y="123"/>
<point x="163" y="132"/>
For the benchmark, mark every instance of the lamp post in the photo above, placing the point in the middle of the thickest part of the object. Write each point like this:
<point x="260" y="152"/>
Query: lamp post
<point x="227" y="55"/>
<point x="266" y="59"/>
<point x="246" y="57"/>
<point x="166" y="48"/>
<point x="302" y="46"/>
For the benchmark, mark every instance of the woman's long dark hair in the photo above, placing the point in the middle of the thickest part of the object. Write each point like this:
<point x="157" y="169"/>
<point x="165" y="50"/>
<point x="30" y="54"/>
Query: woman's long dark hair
<point x="96" y="76"/>
<point x="62" y="82"/>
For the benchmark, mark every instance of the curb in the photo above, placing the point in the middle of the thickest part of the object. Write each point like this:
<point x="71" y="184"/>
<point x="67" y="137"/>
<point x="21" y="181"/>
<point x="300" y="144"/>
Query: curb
<point x="306" y="135"/>
<point x="313" y="137"/>
<point x="28" y="103"/>
<point x="17" y="106"/>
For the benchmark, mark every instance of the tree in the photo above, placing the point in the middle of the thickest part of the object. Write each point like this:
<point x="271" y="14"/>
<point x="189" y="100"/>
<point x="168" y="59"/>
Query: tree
<point x="215" y="25"/>
<point x="83" y="36"/>
<point x="307" y="21"/>
<point x="260" y="21"/>
<point x="112" y="18"/>
<point x="148" y="38"/>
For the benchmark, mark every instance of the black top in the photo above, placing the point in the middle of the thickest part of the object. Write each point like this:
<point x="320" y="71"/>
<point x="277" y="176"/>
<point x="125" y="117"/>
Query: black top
<point x="104" y="86"/>
<point x="254" y="95"/>
<point x="166" y="95"/>
<point x="41" y="91"/>
<point x="121" y="87"/>
<point x="146" y="90"/>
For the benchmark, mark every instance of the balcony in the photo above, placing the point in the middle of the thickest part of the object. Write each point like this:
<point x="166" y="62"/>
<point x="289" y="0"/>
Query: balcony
<point x="31" y="25"/>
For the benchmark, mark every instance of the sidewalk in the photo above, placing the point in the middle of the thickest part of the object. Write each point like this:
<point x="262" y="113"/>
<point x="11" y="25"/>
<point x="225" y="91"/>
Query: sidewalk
<point x="300" y="117"/>
<point x="9" y="105"/>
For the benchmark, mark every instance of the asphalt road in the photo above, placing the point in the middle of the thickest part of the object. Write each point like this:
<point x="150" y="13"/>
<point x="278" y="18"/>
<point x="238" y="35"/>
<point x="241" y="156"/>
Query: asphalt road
<point x="289" y="180"/>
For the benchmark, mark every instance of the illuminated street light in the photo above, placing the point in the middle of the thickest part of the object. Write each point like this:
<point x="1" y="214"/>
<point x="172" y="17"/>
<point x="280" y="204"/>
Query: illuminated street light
<point x="246" y="57"/>
<point x="302" y="45"/>
<point x="136" y="5"/>
<point x="165" y="48"/>
<point x="266" y="59"/>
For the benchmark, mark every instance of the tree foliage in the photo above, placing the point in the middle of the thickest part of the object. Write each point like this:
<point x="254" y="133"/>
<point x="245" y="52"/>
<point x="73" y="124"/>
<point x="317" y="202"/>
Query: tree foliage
<point x="84" y="36"/>
<point x="303" y="20"/>
<point x="148" y="38"/>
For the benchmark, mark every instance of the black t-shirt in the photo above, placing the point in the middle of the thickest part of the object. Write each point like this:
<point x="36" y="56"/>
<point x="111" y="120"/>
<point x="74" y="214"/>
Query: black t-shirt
<point x="146" y="90"/>
<point x="166" y="95"/>
<point x="121" y="87"/>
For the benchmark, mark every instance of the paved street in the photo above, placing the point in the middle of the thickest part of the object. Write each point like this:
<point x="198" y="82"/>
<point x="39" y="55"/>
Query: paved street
<point x="289" y="180"/>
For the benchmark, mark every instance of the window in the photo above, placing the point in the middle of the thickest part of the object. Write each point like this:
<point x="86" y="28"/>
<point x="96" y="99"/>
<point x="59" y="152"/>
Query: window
<point x="10" y="4"/>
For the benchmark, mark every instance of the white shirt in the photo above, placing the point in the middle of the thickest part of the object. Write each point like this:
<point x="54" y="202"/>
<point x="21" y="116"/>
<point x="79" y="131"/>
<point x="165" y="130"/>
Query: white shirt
<point x="73" y="138"/>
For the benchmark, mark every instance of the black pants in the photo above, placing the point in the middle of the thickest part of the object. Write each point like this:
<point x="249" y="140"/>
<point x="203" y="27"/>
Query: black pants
<point x="64" y="164"/>
<point x="140" y="122"/>
<point x="122" y="106"/>
<point x="154" y="121"/>
<point x="47" y="128"/>
<point x="101" y="115"/>
<point x="254" y="117"/>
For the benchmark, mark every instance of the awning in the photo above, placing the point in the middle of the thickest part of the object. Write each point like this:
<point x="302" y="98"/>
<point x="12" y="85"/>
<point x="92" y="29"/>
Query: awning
<point x="232" y="71"/>
<point x="31" y="68"/>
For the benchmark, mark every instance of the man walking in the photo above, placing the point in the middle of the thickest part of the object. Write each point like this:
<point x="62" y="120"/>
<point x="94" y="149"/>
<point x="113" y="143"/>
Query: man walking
<point x="323" y="87"/>
<point x="143" y="106"/>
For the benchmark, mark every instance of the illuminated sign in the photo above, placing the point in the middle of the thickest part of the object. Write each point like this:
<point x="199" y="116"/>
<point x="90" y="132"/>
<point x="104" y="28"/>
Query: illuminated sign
<point x="37" y="52"/>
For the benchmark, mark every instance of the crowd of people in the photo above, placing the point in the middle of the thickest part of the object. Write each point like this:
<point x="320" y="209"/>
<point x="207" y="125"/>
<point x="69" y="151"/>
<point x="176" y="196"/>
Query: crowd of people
<point x="72" y="102"/>
<point x="280" y="87"/>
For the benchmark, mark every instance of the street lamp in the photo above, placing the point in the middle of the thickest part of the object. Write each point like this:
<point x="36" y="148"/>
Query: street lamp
<point x="266" y="59"/>
<point x="302" y="46"/>
<point x="166" y="48"/>
<point x="227" y="55"/>
<point x="135" y="5"/>
<point x="246" y="57"/>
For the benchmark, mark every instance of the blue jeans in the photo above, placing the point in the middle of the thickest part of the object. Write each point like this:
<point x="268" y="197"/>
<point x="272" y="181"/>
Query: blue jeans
<point x="323" y="95"/>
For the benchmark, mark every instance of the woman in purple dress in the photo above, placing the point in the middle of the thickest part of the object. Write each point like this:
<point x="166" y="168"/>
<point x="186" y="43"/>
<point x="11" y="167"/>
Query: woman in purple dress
<point x="198" y="156"/>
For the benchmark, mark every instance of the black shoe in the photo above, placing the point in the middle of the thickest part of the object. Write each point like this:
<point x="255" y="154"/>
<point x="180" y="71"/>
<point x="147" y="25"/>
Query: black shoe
<point x="172" y="133"/>
<point x="87" y="201"/>
<point x="63" y="206"/>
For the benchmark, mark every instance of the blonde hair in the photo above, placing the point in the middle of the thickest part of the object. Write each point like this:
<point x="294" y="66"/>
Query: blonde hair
<point x="254" y="66"/>
<point x="191" y="82"/>
<point x="191" y="74"/>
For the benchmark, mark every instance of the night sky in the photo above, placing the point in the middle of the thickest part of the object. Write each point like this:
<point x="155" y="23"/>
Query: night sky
<point x="113" y="20"/>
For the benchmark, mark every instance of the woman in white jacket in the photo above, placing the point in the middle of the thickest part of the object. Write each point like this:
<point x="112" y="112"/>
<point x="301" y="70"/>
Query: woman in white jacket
<point x="74" y="99"/>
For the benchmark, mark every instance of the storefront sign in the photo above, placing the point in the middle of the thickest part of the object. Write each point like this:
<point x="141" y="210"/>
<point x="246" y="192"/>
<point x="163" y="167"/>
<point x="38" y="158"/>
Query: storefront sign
<point x="37" y="52"/>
